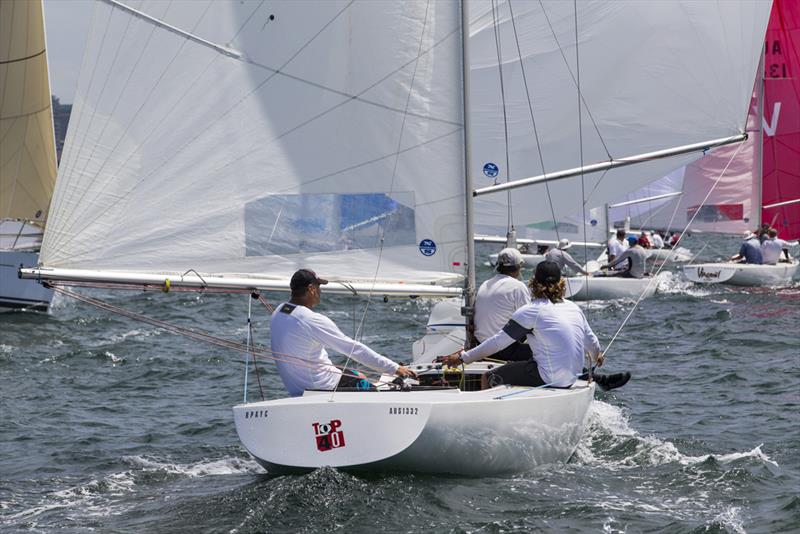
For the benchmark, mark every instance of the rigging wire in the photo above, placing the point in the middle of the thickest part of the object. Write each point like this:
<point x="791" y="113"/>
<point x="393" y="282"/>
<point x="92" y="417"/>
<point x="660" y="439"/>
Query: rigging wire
<point x="380" y="236"/>
<point x="580" y="145"/>
<point x="533" y="119"/>
<point x="497" y="42"/>
<point x="672" y="252"/>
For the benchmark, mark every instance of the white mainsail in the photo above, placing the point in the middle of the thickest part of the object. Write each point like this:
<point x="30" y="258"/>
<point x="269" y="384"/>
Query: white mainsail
<point x="653" y="75"/>
<point x="27" y="142"/>
<point x="252" y="139"/>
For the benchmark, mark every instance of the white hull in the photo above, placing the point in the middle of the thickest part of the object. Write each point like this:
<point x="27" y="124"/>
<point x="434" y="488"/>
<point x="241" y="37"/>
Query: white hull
<point x="21" y="294"/>
<point x="741" y="274"/>
<point x="530" y="260"/>
<point x="610" y="287"/>
<point x="679" y="254"/>
<point x="476" y="433"/>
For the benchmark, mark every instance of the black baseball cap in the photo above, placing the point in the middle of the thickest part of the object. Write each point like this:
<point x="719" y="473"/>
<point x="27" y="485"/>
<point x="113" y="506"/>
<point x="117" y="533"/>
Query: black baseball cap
<point x="547" y="272"/>
<point x="304" y="278"/>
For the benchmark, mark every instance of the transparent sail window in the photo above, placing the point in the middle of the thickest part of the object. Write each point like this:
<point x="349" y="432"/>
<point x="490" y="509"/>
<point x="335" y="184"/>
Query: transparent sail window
<point x="328" y="222"/>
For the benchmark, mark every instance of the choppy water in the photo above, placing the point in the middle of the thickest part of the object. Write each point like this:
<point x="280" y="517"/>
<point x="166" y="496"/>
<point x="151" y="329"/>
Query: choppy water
<point x="112" y="425"/>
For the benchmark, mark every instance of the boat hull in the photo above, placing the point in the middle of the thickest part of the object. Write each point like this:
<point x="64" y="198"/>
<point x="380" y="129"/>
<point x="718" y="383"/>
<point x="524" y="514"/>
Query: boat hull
<point x="479" y="433"/>
<point x="610" y="287"/>
<point x="741" y="274"/>
<point x="664" y="254"/>
<point x="16" y="294"/>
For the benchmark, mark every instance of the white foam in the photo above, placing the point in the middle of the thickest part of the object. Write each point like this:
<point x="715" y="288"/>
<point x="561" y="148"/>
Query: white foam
<point x="611" y="422"/>
<point x="731" y="518"/>
<point x="135" y="334"/>
<point x="222" y="466"/>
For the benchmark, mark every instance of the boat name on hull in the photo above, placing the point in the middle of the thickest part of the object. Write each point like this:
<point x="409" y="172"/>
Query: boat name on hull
<point x="702" y="273"/>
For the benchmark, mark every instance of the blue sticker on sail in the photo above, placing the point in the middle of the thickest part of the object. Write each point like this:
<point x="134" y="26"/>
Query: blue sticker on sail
<point x="491" y="170"/>
<point x="427" y="247"/>
<point x="593" y="222"/>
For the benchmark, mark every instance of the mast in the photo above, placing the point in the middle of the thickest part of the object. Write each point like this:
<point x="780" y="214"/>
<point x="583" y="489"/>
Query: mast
<point x="469" y="289"/>
<point x="759" y="163"/>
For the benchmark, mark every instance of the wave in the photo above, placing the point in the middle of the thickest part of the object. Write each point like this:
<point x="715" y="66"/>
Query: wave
<point x="221" y="466"/>
<point x="611" y="441"/>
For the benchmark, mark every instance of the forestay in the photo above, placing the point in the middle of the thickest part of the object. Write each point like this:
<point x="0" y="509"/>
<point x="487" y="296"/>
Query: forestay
<point x="255" y="138"/>
<point x="653" y="76"/>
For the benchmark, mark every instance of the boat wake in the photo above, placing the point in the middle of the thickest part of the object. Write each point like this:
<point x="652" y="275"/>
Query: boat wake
<point x="610" y="441"/>
<point x="107" y="495"/>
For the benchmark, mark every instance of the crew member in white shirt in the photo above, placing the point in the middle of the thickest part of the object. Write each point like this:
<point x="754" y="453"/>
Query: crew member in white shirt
<point x="771" y="248"/>
<point x="558" y="333"/>
<point x="617" y="245"/>
<point x="300" y="335"/>
<point x="658" y="240"/>
<point x="497" y="299"/>
<point x="563" y="258"/>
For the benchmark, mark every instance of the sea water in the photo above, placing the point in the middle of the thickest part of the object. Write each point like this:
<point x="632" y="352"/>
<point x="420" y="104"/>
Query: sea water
<point x="113" y="425"/>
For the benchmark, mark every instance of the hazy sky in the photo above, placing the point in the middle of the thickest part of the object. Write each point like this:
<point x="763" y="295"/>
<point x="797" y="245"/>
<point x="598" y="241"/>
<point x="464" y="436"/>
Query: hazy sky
<point x="66" y="24"/>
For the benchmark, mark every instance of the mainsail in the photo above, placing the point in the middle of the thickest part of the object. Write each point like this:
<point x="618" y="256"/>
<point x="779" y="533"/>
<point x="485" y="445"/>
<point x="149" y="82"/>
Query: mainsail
<point x="27" y="142"/>
<point x="780" y="192"/>
<point x="250" y="139"/>
<point x="652" y="75"/>
<point x="761" y="180"/>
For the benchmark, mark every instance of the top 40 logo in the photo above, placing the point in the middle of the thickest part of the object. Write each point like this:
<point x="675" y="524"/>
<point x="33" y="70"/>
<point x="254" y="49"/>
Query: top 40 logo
<point x="328" y="435"/>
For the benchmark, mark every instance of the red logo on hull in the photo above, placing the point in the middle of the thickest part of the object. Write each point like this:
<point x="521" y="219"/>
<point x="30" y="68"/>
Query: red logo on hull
<point x="328" y="435"/>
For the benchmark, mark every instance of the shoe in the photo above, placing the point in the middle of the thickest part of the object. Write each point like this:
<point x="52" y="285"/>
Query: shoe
<point x="613" y="381"/>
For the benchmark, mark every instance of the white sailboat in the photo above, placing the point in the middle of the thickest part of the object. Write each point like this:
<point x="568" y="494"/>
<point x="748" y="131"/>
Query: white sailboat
<point x="254" y="139"/>
<point x="27" y="151"/>
<point x="733" y="190"/>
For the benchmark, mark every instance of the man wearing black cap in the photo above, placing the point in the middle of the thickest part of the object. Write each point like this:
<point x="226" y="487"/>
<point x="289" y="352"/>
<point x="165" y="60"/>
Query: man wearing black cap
<point x="299" y="336"/>
<point x="556" y="330"/>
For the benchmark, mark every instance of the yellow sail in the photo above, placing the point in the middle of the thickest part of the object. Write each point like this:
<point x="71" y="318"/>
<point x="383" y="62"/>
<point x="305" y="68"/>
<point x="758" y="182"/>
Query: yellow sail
<point x="27" y="144"/>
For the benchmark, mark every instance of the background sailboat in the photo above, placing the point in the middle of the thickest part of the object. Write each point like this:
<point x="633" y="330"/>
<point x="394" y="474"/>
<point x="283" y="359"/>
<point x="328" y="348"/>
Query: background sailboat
<point x="763" y="186"/>
<point x="27" y="150"/>
<point x="537" y="111"/>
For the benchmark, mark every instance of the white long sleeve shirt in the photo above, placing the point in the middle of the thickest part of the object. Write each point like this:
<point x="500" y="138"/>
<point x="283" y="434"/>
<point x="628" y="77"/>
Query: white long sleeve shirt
<point x="558" y="334"/>
<point x="298" y="340"/>
<point x="498" y="298"/>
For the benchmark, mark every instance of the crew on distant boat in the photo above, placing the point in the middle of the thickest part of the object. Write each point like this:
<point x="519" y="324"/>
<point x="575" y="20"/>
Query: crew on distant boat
<point x="617" y="245"/>
<point x="658" y="240"/>
<point x="750" y="251"/>
<point x="644" y="239"/>
<point x="636" y="256"/>
<point x="562" y="258"/>
<point x="673" y="239"/>
<point x="556" y="330"/>
<point x="772" y="247"/>
<point x="299" y="337"/>
<point x="497" y="299"/>
<point x="762" y="232"/>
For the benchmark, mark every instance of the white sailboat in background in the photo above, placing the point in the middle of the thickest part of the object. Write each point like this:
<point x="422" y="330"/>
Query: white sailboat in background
<point x="27" y="151"/>
<point x="763" y="184"/>
<point x="226" y="145"/>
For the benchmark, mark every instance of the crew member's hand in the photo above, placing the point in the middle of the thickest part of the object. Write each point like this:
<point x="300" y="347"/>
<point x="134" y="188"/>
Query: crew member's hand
<point x="453" y="360"/>
<point x="405" y="372"/>
<point x="600" y="359"/>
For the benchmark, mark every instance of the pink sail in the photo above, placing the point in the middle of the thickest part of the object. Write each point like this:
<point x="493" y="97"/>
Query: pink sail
<point x="781" y="160"/>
